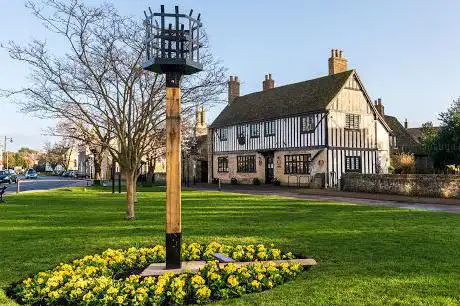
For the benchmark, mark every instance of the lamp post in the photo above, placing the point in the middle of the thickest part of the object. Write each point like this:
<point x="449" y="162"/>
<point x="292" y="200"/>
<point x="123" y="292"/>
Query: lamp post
<point x="5" y="157"/>
<point x="173" y="48"/>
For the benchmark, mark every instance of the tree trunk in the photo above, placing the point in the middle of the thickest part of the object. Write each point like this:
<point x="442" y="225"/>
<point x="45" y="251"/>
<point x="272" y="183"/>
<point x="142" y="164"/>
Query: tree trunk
<point x="130" y="195"/>
<point x="150" y="177"/>
<point x="97" y="170"/>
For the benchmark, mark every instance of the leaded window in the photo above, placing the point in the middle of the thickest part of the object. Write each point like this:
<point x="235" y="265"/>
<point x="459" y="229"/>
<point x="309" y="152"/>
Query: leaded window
<point x="269" y="128"/>
<point x="246" y="163"/>
<point x="241" y="134"/>
<point x="222" y="164"/>
<point x="352" y="121"/>
<point x="223" y="134"/>
<point x="297" y="164"/>
<point x="352" y="163"/>
<point x="307" y="124"/>
<point x="254" y="130"/>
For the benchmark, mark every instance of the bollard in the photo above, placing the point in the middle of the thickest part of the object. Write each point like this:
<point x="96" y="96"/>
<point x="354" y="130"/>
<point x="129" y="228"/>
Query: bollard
<point x="220" y="187"/>
<point x="17" y="185"/>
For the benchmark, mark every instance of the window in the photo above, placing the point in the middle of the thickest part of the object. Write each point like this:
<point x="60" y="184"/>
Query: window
<point x="307" y="124"/>
<point x="254" y="130"/>
<point x="352" y="121"/>
<point x="223" y="134"/>
<point x="269" y="128"/>
<point x="241" y="134"/>
<point x="222" y="164"/>
<point x="246" y="163"/>
<point x="352" y="163"/>
<point x="297" y="164"/>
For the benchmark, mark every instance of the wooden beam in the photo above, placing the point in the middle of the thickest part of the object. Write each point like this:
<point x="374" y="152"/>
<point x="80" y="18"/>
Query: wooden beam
<point x="173" y="161"/>
<point x="173" y="177"/>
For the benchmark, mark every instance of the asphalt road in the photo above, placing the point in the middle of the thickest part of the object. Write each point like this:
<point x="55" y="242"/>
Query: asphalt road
<point x="44" y="183"/>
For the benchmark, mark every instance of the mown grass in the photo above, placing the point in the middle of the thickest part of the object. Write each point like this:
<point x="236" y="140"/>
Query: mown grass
<point x="366" y="255"/>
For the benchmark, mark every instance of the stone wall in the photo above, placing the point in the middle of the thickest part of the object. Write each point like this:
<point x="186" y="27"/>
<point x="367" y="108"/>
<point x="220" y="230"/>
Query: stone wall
<point x="424" y="185"/>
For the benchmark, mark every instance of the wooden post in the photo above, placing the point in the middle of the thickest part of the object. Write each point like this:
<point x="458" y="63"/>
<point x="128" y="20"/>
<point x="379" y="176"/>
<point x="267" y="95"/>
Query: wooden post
<point x="113" y="176"/>
<point x="119" y="181"/>
<point x="173" y="173"/>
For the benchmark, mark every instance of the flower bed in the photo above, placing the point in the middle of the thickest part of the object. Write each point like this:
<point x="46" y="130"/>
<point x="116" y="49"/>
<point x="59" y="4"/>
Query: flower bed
<point x="111" y="278"/>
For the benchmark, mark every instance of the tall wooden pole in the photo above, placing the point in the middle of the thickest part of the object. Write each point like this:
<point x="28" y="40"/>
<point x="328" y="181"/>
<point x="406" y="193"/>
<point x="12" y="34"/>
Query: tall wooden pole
<point x="173" y="173"/>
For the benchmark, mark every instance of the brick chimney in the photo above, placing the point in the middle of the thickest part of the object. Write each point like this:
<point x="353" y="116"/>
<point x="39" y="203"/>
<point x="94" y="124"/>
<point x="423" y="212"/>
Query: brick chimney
<point x="268" y="83"/>
<point x="379" y="106"/>
<point x="337" y="63"/>
<point x="233" y="88"/>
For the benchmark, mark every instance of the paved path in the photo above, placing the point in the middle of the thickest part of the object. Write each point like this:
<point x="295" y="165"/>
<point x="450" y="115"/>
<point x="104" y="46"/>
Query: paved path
<point x="44" y="183"/>
<point x="293" y="193"/>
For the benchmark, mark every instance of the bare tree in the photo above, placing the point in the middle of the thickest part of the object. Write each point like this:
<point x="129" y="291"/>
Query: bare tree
<point x="60" y="153"/>
<point x="99" y="80"/>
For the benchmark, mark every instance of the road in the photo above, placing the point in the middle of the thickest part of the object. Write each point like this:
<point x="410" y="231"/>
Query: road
<point x="44" y="183"/>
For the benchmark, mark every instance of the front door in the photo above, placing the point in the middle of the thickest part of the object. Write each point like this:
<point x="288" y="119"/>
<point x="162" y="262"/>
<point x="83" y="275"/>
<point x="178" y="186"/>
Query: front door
<point x="269" y="168"/>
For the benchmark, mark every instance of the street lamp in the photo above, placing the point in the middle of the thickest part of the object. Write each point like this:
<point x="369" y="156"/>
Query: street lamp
<point x="173" y="48"/>
<point x="5" y="157"/>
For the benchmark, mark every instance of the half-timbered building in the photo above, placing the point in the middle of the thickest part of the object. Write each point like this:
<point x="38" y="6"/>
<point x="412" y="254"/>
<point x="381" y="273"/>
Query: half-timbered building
<point x="304" y="133"/>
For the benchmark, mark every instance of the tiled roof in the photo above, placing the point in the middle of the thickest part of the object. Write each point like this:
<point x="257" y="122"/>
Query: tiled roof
<point x="304" y="97"/>
<point x="404" y="141"/>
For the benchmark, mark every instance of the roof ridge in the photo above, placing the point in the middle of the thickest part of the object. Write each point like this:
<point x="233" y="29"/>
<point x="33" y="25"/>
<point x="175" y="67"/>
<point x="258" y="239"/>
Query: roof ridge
<point x="296" y="83"/>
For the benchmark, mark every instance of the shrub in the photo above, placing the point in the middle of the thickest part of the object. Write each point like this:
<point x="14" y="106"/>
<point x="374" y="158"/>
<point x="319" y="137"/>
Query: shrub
<point x="108" y="279"/>
<point x="234" y="181"/>
<point x="403" y="163"/>
<point x="276" y="182"/>
<point x="215" y="180"/>
<point x="256" y="181"/>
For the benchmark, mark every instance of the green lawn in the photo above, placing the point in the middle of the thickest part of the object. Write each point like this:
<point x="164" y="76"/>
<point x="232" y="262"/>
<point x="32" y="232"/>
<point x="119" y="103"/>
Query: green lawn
<point x="366" y="255"/>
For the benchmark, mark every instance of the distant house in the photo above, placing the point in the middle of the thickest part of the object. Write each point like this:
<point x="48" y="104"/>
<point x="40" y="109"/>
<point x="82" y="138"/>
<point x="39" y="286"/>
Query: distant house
<point x="301" y="133"/>
<point x="417" y="132"/>
<point x="403" y="141"/>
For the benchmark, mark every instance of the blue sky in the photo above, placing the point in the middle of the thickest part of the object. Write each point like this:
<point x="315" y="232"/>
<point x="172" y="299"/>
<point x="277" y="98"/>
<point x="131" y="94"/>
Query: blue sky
<point x="406" y="52"/>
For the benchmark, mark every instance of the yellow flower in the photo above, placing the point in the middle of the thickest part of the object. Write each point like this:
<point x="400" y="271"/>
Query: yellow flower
<point x="270" y="284"/>
<point x="53" y="294"/>
<point x="88" y="297"/>
<point x="255" y="284"/>
<point x="262" y="255"/>
<point x="213" y="276"/>
<point x="203" y="292"/>
<point x="198" y="280"/>
<point x="232" y="281"/>
<point x="112" y="291"/>
<point x="27" y="282"/>
<point x="121" y="299"/>
<point x="260" y="277"/>
<point x="230" y="268"/>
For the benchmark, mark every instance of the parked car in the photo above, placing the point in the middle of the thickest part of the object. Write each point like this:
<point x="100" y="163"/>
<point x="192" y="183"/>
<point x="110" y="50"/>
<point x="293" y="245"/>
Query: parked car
<point x="8" y="176"/>
<point x="31" y="174"/>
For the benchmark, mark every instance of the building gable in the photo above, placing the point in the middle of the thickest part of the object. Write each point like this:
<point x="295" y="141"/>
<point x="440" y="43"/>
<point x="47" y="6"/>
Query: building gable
<point x="353" y="98"/>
